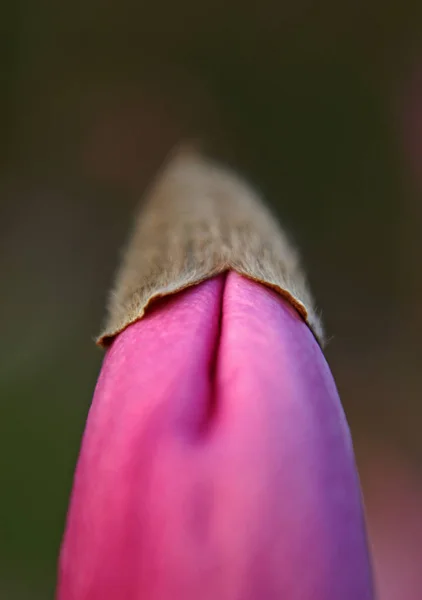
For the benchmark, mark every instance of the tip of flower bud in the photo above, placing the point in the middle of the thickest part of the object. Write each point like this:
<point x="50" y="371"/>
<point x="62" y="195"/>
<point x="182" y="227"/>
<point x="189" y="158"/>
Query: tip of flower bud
<point x="199" y="220"/>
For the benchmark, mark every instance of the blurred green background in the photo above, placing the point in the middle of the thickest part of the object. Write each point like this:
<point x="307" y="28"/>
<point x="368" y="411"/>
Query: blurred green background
<point x="317" y="103"/>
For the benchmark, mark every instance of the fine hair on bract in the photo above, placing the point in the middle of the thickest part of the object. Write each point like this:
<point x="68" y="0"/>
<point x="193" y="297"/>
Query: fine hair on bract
<point x="198" y="220"/>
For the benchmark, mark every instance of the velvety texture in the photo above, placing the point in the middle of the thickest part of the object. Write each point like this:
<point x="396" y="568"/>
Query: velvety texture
<point x="216" y="462"/>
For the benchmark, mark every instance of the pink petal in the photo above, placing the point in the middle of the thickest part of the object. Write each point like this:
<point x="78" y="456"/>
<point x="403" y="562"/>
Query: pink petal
<point x="216" y="462"/>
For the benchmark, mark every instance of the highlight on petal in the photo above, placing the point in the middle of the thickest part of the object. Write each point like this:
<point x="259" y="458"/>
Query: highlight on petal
<point x="216" y="462"/>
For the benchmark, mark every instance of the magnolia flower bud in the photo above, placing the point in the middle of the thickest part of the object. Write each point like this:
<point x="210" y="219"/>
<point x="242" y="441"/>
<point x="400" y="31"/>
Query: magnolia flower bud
<point x="216" y="462"/>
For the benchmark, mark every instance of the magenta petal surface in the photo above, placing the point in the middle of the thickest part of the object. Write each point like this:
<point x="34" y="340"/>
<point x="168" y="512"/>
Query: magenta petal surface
<point x="216" y="462"/>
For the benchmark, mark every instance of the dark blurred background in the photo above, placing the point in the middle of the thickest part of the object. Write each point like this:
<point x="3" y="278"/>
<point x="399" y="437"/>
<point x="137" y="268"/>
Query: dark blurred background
<point x="319" y="104"/>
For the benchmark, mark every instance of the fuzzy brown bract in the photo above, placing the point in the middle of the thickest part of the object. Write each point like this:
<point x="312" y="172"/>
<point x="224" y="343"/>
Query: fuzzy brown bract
<point x="200" y="220"/>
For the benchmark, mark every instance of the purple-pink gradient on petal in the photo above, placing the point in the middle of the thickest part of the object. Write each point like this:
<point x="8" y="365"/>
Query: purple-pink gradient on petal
<point x="216" y="461"/>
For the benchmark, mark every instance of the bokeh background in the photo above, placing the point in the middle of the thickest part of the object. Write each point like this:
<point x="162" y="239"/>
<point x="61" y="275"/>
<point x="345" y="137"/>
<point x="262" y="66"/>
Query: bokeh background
<point x="317" y="103"/>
